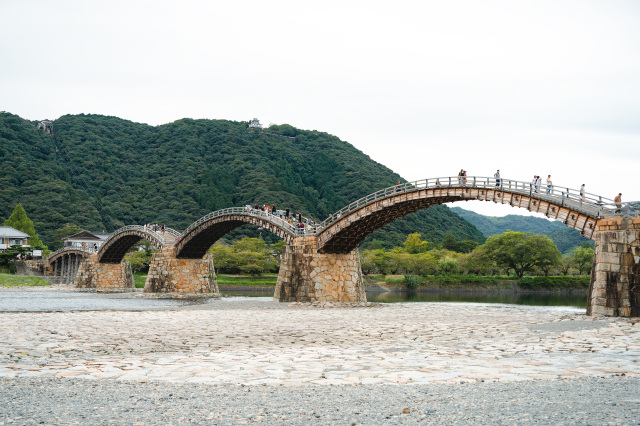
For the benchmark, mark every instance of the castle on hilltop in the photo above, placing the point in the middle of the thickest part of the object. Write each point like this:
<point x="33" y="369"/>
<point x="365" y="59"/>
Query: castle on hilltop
<point x="47" y="125"/>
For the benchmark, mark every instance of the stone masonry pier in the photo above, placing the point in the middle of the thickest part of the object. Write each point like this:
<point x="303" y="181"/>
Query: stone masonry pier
<point x="104" y="277"/>
<point x="308" y="276"/>
<point x="615" y="276"/>
<point x="181" y="277"/>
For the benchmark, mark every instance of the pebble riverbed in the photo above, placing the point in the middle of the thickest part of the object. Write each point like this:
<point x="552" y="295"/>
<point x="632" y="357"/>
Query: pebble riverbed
<point x="238" y="360"/>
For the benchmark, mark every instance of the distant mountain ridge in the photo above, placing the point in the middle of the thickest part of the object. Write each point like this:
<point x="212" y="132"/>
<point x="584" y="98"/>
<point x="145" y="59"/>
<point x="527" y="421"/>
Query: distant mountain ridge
<point x="566" y="239"/>
<point x="101" y="172"/>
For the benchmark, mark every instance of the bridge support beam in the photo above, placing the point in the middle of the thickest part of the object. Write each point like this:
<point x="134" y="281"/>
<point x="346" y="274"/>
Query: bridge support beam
<point x="182" y="277"/>
<point x="104" y="277"/>
<point x="308" y="276"/>
<point x="615" y="276"/>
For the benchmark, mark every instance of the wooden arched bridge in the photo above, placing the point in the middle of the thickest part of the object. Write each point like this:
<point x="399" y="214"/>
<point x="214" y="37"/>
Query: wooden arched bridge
<point x="313" y="247"/>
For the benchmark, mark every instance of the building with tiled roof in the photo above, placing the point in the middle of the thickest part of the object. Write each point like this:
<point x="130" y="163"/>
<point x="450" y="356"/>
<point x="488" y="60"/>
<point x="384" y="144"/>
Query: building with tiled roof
<point x="10" y="236"/>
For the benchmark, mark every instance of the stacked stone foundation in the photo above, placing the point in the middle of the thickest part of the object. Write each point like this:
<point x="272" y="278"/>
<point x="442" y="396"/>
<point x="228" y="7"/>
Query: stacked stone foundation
<point x="104" y="277"/>
<point x="615" y="277"/>
<point x="308" y="276"/>
<point x="181" y="276"/>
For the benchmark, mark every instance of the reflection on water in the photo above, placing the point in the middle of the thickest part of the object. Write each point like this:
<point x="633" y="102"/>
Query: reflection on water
<point x="537" y="299"/>
<point x="33" y="301"/>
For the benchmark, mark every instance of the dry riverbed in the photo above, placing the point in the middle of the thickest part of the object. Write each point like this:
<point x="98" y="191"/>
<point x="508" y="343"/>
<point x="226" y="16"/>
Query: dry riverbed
<point x="250" y="342"/>
<point x="239" y="360"/>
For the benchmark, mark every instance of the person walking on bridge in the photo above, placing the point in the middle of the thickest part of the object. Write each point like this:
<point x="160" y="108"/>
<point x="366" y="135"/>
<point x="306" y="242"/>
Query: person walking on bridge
<point x="618" y="201"/>
<point x="549" y="184"/>
<point x="497" y="176"/>
<point x="460" y="176"/>
<point x="582" y="193"/>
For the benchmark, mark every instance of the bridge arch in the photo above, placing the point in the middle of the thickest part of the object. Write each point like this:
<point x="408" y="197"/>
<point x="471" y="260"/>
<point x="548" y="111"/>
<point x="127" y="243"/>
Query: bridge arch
<point x="121" y="241"/>
<point x="203" y="233"/>
<point x="82" y="252"/>
<point x="345" y="229"/>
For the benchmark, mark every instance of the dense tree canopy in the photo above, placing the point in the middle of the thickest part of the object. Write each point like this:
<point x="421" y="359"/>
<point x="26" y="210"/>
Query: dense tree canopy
<point x="522" y="252"/>
<point x="100" y="173"/>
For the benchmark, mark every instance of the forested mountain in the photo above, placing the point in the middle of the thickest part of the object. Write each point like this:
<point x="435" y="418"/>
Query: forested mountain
<point x="565" y="238"/>
<point x="102" y="172"/>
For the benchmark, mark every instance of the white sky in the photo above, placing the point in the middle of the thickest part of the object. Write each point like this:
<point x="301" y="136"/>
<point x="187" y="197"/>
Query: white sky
<point x="423" y="87"/>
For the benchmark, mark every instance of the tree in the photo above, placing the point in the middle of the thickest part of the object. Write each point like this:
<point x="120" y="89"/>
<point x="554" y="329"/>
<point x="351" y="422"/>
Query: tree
<point x="398" y="260"/>
<point x="466" y="246"/>
<point x="249" y="256"/>
<point x="381" y="261"/>
<point x="522" y="252"/>
<point x="423" y="263"/>
<point x="449" y="242"/>
<point x="139" y="260"/>
<point x="567" y="264"/>
<point x="448" y="265"/>
<point x="224" y="259"/>
<point x="583" y="258"/>
<point x="413" y="244"/>
<point x="21" y="222"/>
<point x="278" y="247"/>
<point x="60" y="233"/>
<point x="478" y="262"/>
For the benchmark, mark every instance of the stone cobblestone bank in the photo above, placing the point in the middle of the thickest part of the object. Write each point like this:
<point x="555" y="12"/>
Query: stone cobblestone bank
<point x="256" y="342"/>
<point x="308" y="276"/>
<point x="615" y="277"/>
<point x="104" y="277"/>
<point x="181" y="276"/>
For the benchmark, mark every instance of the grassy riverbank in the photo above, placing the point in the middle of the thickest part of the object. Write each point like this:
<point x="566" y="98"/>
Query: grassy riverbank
<point x="247" y="280"/>
<point x="474" y="282"/>
<point x="139" y="278"/>
<point x="8" y="280"/>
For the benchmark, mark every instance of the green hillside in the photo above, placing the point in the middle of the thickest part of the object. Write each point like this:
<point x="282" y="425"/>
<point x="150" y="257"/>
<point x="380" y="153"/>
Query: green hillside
<point x="102" y="172"/>
<point x="565" y="238"/>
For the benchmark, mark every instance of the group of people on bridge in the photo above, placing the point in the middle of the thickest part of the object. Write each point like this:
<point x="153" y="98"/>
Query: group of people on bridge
<point x="154" y="227"/>
<point x="300" y="223"/>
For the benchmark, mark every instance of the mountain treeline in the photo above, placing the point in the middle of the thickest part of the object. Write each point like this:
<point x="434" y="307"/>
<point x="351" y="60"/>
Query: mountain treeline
<point x="101" y="172"/>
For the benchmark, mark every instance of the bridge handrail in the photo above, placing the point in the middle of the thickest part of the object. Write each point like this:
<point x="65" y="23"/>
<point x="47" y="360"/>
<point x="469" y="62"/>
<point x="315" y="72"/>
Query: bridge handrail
<point x="270" y="217"/>
<point x="71" y="248"/>
<point x="141" y="228"/>
<point x="591" y="203"/>
<point x="173" y="232"/>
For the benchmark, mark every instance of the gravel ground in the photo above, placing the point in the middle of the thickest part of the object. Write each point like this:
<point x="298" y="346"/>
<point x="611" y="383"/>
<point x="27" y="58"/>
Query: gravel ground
<point x="594" y="400"/>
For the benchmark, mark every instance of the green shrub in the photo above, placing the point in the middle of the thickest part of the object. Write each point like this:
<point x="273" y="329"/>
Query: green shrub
<point x="560" y="282"/>
<point x="411" y="281"/>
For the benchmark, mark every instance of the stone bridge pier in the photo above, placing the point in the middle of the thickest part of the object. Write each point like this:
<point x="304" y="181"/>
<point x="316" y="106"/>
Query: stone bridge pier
<point x="309" y="276"/>
<point x="615" y="276"/>
<point x="181" y="277"/>
<point x="104" y="277"/>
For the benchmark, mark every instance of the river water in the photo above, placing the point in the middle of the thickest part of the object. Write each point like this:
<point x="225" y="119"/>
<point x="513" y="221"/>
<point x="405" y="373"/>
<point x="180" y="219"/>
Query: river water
<point x="61" y="301"/>
<point x="578" y="300"/>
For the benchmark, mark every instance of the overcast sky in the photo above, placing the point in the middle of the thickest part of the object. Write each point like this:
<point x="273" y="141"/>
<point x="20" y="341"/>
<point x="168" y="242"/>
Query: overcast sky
<point x="423" y="87"/>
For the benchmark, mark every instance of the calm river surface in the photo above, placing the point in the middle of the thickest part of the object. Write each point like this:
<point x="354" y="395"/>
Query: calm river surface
<point x="60" y="301"/>
<point x="536" y="299"/>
